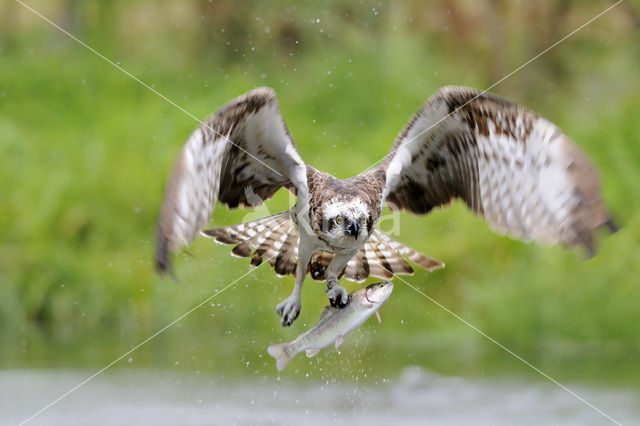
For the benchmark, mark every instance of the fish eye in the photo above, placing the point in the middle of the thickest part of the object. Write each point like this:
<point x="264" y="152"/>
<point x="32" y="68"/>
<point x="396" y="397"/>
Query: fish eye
<point x="339" y="220"/>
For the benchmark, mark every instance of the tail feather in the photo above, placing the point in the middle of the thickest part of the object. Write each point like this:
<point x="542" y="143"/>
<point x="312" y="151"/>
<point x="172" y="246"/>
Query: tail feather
<point x="285" y="262"/>
<point x="388" y="258"/>
<point x="357" y="268"/>
<point x="383" y="257"/>
<point x="238" y="233"/>
<point x="379" y="266"/>
<point x="415" y="256"/>
<point x="274" y="238"/>
<point x="266" y="242"/>
<point x="279" y="352"/>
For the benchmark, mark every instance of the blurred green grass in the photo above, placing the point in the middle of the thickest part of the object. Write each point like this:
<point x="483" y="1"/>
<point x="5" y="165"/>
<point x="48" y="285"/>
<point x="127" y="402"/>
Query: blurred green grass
<point x="85" y="152"/>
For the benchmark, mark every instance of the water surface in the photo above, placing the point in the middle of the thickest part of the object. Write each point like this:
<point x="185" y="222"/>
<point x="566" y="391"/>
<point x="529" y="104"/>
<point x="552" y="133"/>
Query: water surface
<point x="416" y="397"/>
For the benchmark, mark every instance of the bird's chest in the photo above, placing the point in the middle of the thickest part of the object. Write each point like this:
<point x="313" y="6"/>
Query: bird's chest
<point x="348" y="247"/>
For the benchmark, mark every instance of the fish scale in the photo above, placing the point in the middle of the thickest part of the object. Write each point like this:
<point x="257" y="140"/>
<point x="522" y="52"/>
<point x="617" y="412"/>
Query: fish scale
<point x="334" y="324"/>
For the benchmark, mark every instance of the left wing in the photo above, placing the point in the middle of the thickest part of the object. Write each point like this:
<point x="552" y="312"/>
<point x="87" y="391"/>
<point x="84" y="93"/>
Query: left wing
<point x="241" y="155"/>
<point x="506" y="163"/>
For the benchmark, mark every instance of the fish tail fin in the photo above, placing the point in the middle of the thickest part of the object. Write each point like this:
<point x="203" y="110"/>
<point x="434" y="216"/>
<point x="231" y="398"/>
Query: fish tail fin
<point x="279" y="352"/>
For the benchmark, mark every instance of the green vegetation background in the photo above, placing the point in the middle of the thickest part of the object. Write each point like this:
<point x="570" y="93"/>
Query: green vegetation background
<point x="85" y="152"/>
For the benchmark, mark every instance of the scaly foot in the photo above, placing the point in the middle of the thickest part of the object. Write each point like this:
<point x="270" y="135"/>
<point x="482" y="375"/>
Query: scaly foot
<point x="288" y="309"/>
<point x="338" y="296"/>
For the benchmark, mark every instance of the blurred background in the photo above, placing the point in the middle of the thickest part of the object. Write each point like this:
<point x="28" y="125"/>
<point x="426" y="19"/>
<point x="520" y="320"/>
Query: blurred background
<point x="85" y="152"/>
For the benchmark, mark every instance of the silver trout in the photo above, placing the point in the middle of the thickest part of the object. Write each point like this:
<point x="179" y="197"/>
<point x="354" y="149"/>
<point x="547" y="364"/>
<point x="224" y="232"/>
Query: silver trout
<point x="334" y="324"/>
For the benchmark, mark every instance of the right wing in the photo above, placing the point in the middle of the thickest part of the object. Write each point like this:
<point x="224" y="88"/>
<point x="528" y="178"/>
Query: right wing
<point x="241" y="155"/>
<point x="516" y="169"/>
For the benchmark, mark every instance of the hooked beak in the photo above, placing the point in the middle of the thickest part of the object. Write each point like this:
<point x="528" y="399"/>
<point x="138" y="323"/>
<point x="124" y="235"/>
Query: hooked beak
<point x="353" y="229"/>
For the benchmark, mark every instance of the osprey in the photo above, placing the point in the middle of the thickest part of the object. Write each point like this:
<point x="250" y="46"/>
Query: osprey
<point x="514" y="168"/>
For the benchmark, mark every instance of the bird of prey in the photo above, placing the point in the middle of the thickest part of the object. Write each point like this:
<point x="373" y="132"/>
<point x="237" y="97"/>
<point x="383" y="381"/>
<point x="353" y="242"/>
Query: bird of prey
<point x="509" y="165"/>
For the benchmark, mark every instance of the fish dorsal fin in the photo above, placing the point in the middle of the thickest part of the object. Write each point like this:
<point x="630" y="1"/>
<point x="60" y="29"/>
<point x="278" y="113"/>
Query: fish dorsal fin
<point x="326" y="311"/>
<point x="339" y="341"/>
<point x="311" y="352"/>
<point x="378" y="315"/>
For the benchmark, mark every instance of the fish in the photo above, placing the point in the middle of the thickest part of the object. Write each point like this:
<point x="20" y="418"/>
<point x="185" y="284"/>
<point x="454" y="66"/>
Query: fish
<point x="334" y="324"/>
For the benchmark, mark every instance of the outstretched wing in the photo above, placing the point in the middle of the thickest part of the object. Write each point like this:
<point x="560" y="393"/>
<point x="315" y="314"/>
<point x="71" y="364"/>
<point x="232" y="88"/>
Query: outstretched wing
<point x="241" y="155"/>
<point x="508" y="164"/>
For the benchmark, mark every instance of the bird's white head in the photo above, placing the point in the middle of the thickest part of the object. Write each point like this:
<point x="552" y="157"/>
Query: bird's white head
<point x="345" y="222"/>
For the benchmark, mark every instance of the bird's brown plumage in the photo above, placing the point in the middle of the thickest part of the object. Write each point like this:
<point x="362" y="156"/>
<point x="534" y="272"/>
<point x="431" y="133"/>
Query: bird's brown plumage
<point x="275" y="239"/>
<point x="516" y="169"/>
<point x="242" y="151"/>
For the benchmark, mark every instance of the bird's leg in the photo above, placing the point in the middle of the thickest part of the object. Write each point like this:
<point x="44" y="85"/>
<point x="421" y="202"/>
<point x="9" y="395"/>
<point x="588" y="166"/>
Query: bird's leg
<point x="338" y="296"/>
<point x="289" y="308"/>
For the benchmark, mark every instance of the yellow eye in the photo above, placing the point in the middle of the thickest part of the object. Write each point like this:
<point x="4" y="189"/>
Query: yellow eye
<point x="363" y="220"/>
<point x="339" y="220"/>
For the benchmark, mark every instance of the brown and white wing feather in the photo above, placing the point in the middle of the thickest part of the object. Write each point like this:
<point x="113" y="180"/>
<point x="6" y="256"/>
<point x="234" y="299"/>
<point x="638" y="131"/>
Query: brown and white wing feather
<point x="241" y="155"/>
<point x="518" y="170"/>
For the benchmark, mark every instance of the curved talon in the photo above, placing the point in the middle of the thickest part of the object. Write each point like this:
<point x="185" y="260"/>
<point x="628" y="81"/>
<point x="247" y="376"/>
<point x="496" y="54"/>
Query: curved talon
<point x="288" y="309"/>
<point x="338" y="296"/>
